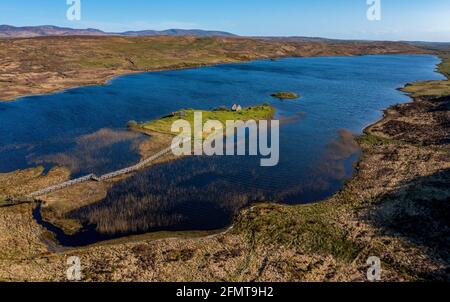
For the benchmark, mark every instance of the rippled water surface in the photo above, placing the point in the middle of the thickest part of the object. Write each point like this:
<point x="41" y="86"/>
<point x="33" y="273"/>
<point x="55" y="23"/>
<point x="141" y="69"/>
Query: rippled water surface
<point x="84" y="128"/>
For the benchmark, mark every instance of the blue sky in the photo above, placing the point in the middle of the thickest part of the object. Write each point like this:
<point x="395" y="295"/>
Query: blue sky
<point x="427" y="20"/>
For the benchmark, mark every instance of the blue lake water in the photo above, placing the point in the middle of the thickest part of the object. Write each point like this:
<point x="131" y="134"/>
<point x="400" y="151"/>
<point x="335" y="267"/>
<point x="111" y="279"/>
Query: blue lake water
<point x="85" y="129"/>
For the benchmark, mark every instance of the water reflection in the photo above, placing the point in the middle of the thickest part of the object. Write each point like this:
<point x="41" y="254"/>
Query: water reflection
<point x="70" y="129"/>
<point x="95" y="152"/>
<point x="205" y="192"/>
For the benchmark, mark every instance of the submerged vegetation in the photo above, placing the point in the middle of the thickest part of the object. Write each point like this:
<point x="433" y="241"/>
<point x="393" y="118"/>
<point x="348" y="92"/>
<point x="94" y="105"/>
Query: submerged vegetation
<point x="169" y="197"/>
<point x="286" y="95"/>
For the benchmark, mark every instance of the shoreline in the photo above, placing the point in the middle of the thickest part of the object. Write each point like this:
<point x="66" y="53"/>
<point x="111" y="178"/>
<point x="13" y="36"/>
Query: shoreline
<point x="150" y="133"/>
<point x="362" y="209"/>
<point x="86" y="69"/>
<point x="108" y="79"/>
<point x="357" y="163"/>
<point x="160" y="137"/>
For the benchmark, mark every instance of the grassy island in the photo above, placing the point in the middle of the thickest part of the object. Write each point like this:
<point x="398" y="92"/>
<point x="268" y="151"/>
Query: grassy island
<point x="285" y="95"/>
<point x="163" y="125"/>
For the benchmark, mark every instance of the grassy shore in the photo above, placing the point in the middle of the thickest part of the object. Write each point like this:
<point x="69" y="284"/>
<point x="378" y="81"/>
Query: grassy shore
<point x="433" y="88"/>
<point x="444" y="67"/>
<point x="395" y="207"/>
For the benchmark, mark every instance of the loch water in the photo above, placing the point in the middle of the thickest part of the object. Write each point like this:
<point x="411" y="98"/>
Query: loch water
<point x="85" y="129"/>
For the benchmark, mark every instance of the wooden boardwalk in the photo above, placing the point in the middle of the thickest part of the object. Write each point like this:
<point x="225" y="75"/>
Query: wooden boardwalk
<point x="93" y="177"/>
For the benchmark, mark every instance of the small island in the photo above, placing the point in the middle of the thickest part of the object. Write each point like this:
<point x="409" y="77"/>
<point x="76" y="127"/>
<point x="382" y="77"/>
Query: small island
<point x="222" y="114"/>
<point x="286" y="95"/>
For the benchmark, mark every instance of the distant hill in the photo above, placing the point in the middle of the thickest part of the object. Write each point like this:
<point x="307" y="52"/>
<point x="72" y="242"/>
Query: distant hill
<point x="179" y="32"/>
<point x="295" y="39"/>
<point x="8" y="31"/>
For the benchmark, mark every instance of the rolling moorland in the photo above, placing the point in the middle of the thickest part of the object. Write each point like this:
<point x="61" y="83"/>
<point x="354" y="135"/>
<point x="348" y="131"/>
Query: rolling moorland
<point x="396" y="207"/>
<point x="48" y="64"/>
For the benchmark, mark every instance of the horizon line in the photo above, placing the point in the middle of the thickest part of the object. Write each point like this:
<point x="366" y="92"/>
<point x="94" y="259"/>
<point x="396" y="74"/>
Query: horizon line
<point x="216" y="30"/>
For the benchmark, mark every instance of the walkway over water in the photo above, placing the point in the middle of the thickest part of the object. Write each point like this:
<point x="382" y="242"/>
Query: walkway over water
<point x="128" y="170"/>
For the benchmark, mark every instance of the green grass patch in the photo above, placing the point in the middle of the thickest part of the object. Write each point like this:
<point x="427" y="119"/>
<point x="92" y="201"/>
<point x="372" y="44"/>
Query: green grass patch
<point x="444" y="67"/>
<point x="373" y="140"/>
<point x="433" y="88"/>
<point x="309" y="228"/>
<point x="3" y="201"/>
<point x="164" y="125"/>
<point x="428" y="88"/>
